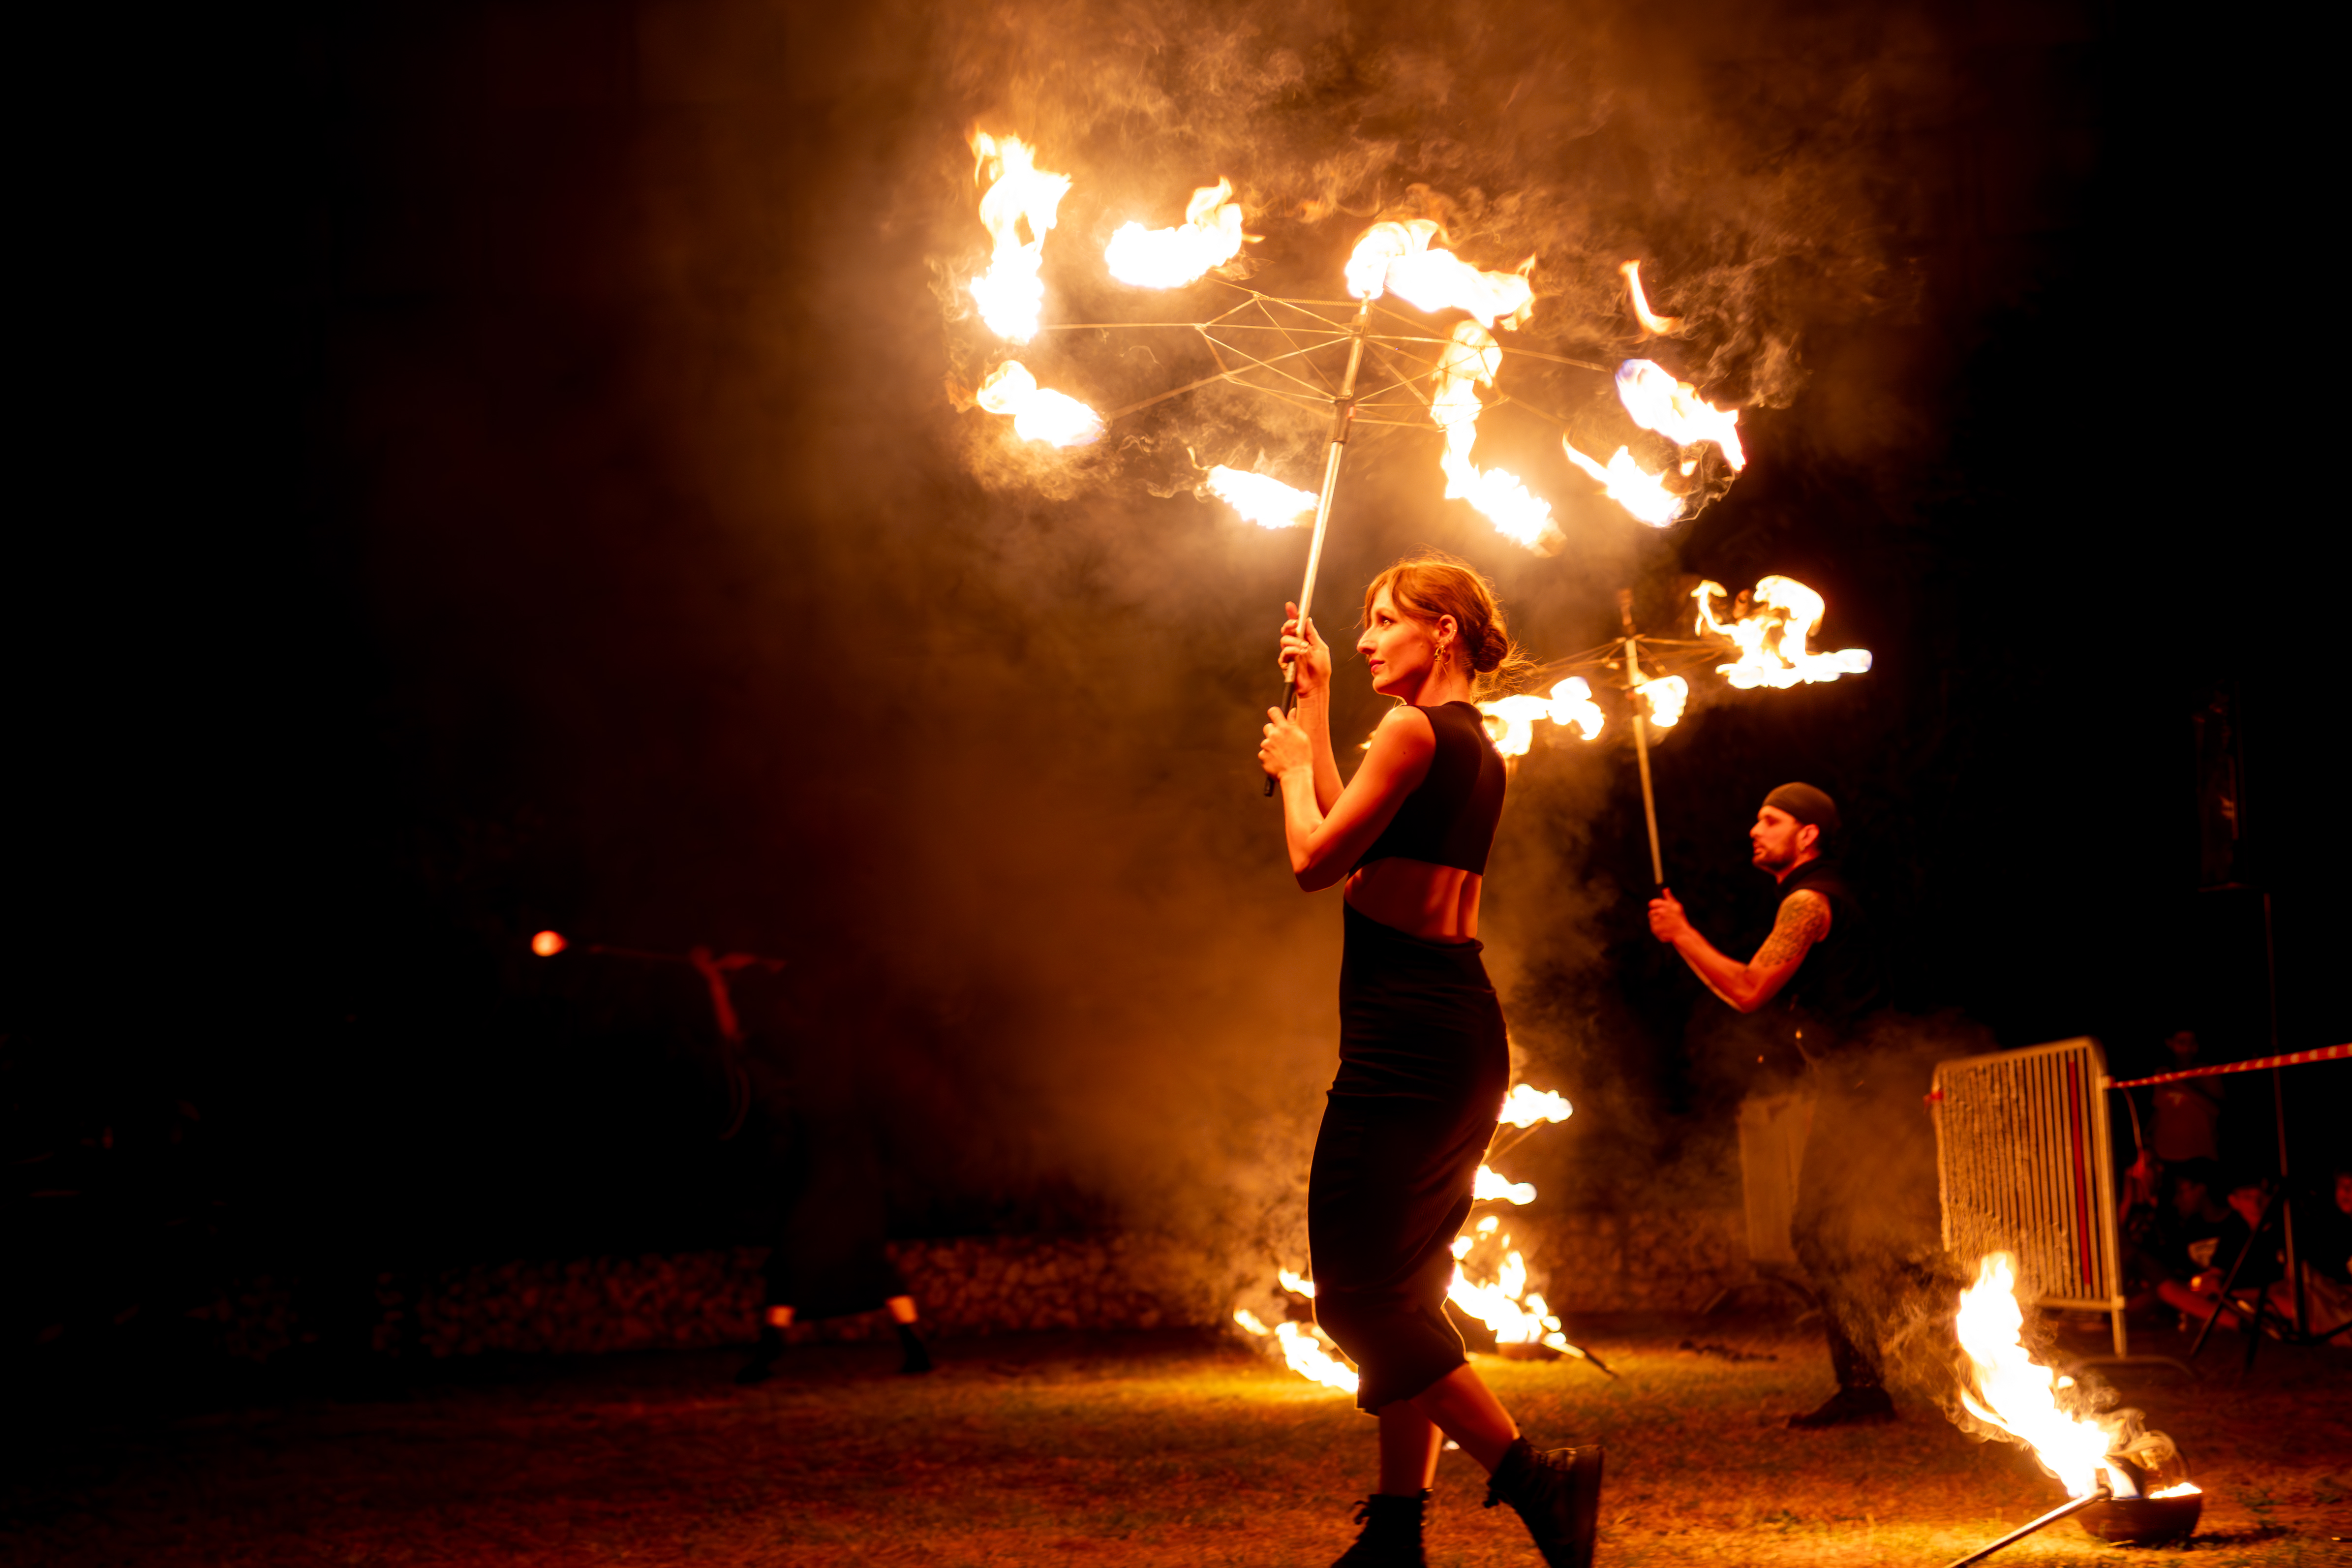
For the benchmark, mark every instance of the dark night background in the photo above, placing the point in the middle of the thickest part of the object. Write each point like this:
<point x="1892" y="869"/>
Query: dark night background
<point x="494" y="475"/>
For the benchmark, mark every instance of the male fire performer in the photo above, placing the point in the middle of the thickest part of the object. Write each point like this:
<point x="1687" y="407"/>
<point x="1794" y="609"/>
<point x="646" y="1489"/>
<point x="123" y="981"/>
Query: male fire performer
<point x="1815" y="977"/>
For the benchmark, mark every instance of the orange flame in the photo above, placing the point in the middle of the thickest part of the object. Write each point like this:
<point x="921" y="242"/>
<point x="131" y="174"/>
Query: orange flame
<point x="1302" y="1348"/>
<point x="1659" y="326"/>
<point x="1472" y="359"/>
<point x="1170" y="257"/>
<point x="2007" y="1389"/>
<point x="1511" y="721"/>
<point x="1665" y="697"/>
<point x="1395" y="258"/>
<point x="548" y="944"/>
<point x="1674" y="410"/>
<point x="1644" y="495"/>
<point x="1771" y="637"/>
<point x="1516" y="1316"/>
<point x="1038" y="415"/>
<point x="1267" y="503"/>
<point x="1010" y="294"/>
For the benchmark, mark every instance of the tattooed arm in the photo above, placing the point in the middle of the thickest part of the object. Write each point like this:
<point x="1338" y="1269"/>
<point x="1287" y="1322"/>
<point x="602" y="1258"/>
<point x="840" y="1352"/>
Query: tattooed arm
<point x="1804" y="919"/>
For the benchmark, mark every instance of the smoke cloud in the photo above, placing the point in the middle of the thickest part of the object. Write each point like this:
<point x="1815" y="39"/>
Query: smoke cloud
<point x="796" y="651"/>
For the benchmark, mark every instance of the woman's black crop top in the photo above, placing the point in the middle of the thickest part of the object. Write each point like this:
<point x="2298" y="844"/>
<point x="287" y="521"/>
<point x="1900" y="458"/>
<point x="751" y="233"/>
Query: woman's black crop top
<point x="1449" y="820"/>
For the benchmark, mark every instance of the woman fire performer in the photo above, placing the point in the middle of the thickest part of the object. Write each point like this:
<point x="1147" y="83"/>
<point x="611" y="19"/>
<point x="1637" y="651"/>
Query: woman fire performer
<point x="1422" y="1060"/>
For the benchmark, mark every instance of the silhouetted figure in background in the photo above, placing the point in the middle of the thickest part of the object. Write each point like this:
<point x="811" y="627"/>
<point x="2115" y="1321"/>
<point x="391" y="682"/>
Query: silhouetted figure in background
<point x="2186" y="1125"/>
<point x="1815" y="978"/>
<point x="811" y="1136"/>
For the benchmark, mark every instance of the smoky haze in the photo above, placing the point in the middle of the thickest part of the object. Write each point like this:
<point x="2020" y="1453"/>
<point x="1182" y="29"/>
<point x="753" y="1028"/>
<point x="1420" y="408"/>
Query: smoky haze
<point x="781" y="648"/>
<point x="649" y="582"/>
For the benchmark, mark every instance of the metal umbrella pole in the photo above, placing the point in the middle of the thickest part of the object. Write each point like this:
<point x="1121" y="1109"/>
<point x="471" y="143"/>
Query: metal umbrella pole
<point x="1343" y="415"/>
<point x="1641" y="730"/>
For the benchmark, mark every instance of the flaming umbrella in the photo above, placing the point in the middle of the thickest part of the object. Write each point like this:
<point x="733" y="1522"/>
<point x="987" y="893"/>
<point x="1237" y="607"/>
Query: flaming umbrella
<point x="1766" y="641"/>
<point x="1363" y="361"/>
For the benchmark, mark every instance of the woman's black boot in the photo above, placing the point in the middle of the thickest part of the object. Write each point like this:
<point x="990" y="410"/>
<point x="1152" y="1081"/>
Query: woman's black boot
<point x="764" y="1356"/>
<point x="1391" y="1535"/>
<point x="1558" y="1492"/>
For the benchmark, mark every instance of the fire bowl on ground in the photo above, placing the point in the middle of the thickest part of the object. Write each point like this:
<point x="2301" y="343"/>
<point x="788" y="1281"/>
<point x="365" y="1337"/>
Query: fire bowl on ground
<point x="2143" y="1520"/>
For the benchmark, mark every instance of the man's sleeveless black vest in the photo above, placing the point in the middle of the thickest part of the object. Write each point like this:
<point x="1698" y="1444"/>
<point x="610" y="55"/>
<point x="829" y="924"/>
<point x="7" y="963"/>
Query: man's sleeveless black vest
<point x="1839" y="981"/>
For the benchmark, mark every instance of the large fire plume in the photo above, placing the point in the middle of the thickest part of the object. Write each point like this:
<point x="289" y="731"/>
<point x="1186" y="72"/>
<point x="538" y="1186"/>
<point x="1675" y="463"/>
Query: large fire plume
<point x="1020" y="196"/>
<point x="1769" y="628"/>
<point x="1038" y="413"/>
<point x="2008" y="1390"/>
<point x="1473" y="359"/>
<point x="1210" y="237"/>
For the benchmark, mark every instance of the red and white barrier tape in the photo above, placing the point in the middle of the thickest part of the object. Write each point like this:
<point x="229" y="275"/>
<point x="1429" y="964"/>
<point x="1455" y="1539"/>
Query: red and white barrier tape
<point x="2323" y="1054"/>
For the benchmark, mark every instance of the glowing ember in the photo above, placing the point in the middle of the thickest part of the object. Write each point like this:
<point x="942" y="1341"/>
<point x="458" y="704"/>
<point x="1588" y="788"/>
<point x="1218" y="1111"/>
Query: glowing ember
<point x="1770" y="635"/>
<point x="1660" y="326"/>
<point x="1304" y="1350"/>
<point x="1644" y="495"/>
<point x="1674" y="410"/>
<point x="1667" y="698"/>
<point x="1511" y="721"/>
<point x="1473" y="359"/>
<point x="1267" y="503"/>
<point x="1038" y="415"/>
<point x="2009" y="1390"/>
<point x="1170" y="257"/>
<point x="1297" y="1284"/>
<point x="548" y="944"/>
<point x="1525" y="1105"/>
<point x="1010" y="294"/>
<point x="1396" y="258"/>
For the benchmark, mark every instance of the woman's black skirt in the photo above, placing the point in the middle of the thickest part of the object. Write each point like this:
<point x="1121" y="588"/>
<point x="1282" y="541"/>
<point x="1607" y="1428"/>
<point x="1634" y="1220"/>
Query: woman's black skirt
<point x="1423" y="1066"/>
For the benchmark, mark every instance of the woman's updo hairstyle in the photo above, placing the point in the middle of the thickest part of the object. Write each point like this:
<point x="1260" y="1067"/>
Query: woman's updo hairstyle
<point x="1434" y="584"/>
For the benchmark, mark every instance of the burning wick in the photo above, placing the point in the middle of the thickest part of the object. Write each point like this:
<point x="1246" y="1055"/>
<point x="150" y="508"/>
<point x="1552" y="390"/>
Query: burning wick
<point x="1644" y="495"/>
<point x="1511" y="722"/>
<point x="1395" y="258"/>
<point x="548" y="944"/>
<point x="1171" y="258"/>
<point x="1658" y="326"/>
<point x="1784" y="613"/>
<point x="1038" y="415"/>
<point x="1267" y="503"/>
<point x="1010" y="294"/>
<point x="1471" y="360"/>
<point x="1674" y="410"/>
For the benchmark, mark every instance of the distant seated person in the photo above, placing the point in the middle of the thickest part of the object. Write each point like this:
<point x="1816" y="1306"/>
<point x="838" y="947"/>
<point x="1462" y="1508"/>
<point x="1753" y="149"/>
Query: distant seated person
<point x="2243" y="1234"/>
<point x="2173" y="1241"/>
<point x="2324" y="1248"/>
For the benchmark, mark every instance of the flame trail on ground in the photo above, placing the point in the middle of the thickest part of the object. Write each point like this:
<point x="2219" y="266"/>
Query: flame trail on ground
<point x="1500" y="1298"/>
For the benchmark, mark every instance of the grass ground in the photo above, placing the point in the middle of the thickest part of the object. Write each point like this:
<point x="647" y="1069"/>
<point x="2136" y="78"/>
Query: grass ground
<point x="1145" y="1449"/>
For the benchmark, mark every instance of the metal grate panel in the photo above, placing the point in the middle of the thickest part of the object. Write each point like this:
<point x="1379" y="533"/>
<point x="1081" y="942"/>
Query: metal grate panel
<point x="2023" y="1160"/>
